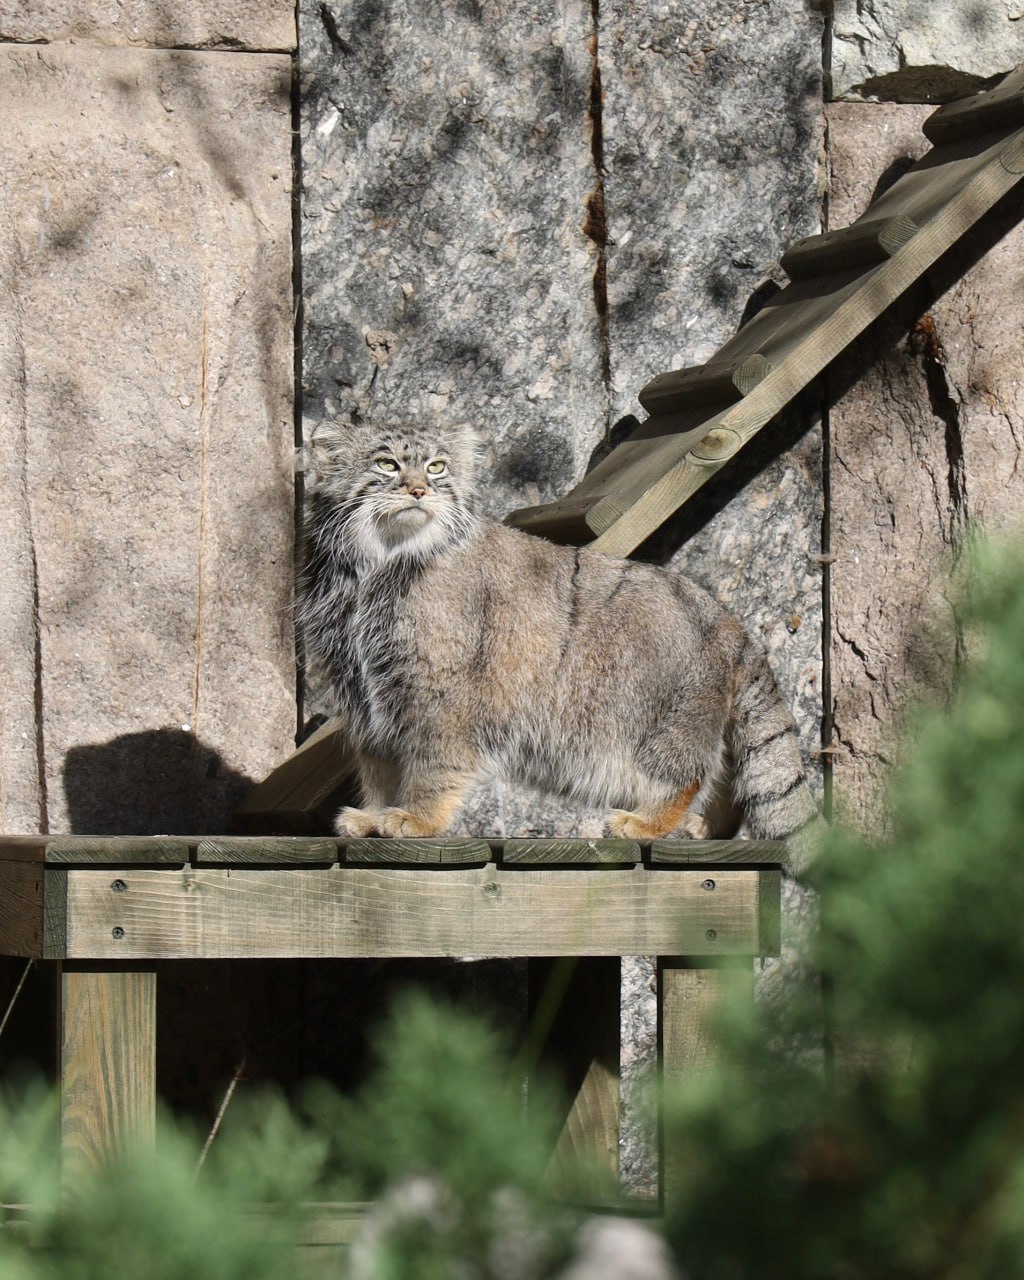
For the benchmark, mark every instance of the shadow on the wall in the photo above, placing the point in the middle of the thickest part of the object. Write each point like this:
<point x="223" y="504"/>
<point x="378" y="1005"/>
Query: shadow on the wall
<point x="158" y="782"/>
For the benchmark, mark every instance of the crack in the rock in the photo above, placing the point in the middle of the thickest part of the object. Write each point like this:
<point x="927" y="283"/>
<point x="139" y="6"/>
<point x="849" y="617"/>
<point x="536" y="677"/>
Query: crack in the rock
<point x="595" y="223"/>
<point x="926" y="344"/>
<point x="339" y="47"/>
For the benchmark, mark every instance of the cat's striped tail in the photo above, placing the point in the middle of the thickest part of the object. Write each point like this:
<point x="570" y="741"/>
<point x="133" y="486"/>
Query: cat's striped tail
<point x="769" y="783"/>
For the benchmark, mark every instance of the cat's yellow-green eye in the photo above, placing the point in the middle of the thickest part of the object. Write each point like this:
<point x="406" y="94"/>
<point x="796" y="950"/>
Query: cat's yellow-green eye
<point x="386" y="464"/>
<point x="436" y="468"/>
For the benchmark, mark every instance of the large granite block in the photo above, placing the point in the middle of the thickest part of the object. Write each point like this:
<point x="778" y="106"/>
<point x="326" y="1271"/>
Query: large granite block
<point x="926" y="433"/>
<point x="185" y="24"/>
<point x="712" y="128"/>
<point x="910" y="51"/>
<point x="446" y="266"/>
<point x="147" y="286"/>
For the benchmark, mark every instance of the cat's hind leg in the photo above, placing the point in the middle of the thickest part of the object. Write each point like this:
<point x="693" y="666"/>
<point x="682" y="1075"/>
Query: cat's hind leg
<point x="651" y="824"/>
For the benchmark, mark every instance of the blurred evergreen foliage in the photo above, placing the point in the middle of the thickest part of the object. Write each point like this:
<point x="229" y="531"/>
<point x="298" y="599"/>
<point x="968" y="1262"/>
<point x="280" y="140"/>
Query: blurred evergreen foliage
<point x="896" y="1149"/>
<point x="865" y="1126"/>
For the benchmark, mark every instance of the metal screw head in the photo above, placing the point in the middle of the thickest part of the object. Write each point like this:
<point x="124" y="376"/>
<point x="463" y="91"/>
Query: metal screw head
<point x="707" y="884"/>
<point x="711" y="934"/>
<point x="490" y="888"/>
<point x="118" y="886"/>
<point x="117" y="932"/>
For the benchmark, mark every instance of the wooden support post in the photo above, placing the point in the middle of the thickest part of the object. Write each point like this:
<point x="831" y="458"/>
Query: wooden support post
<point x="107" y="1061"/>
<point x="689" y="993"/>
<point x="574" y="1013"/>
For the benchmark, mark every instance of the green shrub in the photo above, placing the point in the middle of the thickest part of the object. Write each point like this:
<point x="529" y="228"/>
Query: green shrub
<point x="907" y="1159"/>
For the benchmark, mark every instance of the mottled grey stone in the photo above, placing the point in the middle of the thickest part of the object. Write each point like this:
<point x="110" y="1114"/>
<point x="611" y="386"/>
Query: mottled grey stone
<point x="148" y="284"/>
<point x="926" y="443"/>
<point x="183" y="24"/>
<point x="712" y="129"/>
<point x="446" y="269"/>
<point x="920" y="51"/>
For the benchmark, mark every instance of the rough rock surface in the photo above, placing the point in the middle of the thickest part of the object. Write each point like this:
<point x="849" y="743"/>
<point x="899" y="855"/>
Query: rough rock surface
<point x="920" y="51"/>
<point x="213" y="24"/>
<point x="711" y="143"/>
<point x="446" y="268"/>
<point x="926" y="444"/>
<point x="148" y="422"/>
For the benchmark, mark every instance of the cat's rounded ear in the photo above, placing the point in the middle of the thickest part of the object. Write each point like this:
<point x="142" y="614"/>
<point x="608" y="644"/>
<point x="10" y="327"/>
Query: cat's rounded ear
<point x="317" y="456"/>
<point x="466" y="446"/>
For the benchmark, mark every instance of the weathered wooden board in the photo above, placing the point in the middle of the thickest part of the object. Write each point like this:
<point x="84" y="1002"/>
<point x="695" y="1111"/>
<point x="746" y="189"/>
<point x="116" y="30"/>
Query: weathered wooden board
<point x="108" y="1062"/>
<point x="381" y="912"/>
<point x="445" y="853"/>
<point x="522" y="852"/>
<point x="300" y="783"/>
<point x="689" y="996"/>
<point x="863" y="244"/>
<point x="708" y="852"/>
<point x="21" y="908"/>
<point x="995" y="109"/>
<point x="89" y="850"/>
<point x="253" y="850"/>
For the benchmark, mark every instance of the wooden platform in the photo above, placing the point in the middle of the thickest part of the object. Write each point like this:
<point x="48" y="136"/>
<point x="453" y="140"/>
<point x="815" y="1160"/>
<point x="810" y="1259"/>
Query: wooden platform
<point x="103" y="910"/>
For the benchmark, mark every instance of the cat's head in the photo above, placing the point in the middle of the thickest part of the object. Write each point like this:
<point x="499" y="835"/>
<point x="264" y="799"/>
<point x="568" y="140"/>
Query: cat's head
<point x="395" y="490"/>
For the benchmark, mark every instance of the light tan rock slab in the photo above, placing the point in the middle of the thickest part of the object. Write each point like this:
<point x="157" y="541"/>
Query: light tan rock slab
<point x="926" y="434"/>
<point x="147" y="401"/>
<point x="183" y="24"/>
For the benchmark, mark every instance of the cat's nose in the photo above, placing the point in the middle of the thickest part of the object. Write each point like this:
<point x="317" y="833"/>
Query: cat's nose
<point x="418" y="491"/>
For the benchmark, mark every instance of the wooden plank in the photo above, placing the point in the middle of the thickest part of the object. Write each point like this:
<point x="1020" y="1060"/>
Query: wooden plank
<point x="578" y="1049"/>
<point x="55" y="912"/>
<point x="715" y="852"/>
<point x="717" y="382"/>
<point x="997" y="108"/>
<point x="138" y="850"/>
<point x="254" y="850"/>
<point x="863" y="244"/>
<point x="449" y="853"/>
<point x="689" y="997"/>
<point x="770" y="911"/>
<point x="21" y="908"/>
<point x="343" y="911"/>
<point x="814" y="346"/>
<point x="108" y="1062"/>
<point x="616" y="853"/>
<point x="303" y="781"/>
<point x="23" y="848"/>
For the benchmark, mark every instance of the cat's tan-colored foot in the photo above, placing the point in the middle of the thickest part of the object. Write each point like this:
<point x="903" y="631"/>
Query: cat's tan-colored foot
<point x="356" y="824"/>
<point x="629" y="826"/>
<point x="696" y="827"/>
<point x="399" y="824"/>
<point x="653" y="825"/>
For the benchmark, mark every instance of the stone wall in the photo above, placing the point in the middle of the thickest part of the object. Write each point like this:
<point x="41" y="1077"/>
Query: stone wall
<point x="146" y="405"/>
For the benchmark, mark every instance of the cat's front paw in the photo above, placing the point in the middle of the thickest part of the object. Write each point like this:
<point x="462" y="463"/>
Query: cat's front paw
<point x="356" y="824"/>
<point x="399" y="824"/>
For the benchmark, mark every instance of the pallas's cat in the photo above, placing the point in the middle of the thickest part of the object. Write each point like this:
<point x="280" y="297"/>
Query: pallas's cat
<point x="457" y="648"/>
